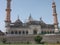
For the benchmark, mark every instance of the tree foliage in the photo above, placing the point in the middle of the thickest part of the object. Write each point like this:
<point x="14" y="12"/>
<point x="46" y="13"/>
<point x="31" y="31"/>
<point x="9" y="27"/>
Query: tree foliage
<point x="38" y="39"/>
<point x="4" y="40"/>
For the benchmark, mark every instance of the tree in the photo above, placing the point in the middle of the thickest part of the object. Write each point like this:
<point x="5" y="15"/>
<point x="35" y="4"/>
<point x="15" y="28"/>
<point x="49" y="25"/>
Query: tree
<point x="4" y="40"/>
<point x="38" y="39"/>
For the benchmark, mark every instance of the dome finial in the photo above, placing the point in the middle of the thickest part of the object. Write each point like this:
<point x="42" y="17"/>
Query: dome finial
<point x="30" y="18"/>
<point x="18" y="17"/>
<point x="40" y="18"/>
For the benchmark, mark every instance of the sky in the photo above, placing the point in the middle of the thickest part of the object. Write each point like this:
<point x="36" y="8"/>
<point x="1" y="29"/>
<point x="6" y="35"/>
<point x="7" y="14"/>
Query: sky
<point x="23" y="8"/>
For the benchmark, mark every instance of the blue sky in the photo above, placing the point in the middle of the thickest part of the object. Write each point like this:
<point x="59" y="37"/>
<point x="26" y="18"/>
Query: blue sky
<point x="23" y="8"/>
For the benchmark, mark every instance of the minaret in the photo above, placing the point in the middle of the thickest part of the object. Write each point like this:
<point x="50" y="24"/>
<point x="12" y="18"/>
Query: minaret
<point x="8" y="11"/>
<point x="55" y="17"/>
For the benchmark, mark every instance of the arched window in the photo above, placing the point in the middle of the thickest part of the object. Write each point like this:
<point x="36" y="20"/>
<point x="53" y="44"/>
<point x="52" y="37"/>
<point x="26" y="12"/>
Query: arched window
<point x="26" y="32"/>
<point x="41" y="32"/>
<point x="23" y="32"/>
<point x="35" y="32"/>
<point x="50" y="32"/>
<point x="6" y="32"/>
<point x="44" y="32"/>
<point x="19" y="32"/>
<point x="12" y="32"/>
<point x="53" y="31"/>
<point x="15" y="32"/>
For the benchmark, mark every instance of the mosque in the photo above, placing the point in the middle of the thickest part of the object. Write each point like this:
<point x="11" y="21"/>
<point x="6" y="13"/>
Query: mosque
<point x="31" y="27"/>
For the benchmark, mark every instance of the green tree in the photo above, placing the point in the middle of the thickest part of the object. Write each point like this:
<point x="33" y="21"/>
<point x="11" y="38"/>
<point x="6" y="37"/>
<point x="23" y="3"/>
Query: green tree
<point x="38" y="39"/>
<point x="4" y="40"/>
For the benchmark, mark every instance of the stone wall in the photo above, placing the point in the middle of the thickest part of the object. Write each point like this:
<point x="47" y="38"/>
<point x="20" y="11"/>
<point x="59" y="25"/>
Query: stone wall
<point x="20" y="39"/>
<point x="52" y="38"/>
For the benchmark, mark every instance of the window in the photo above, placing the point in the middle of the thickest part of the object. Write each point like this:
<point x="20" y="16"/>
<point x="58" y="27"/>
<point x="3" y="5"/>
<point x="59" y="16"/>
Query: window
<point x="26" y="32"/>
<point x="12" y="32"/>
<point x="15" y="32"/>
<point x="41" y="32"/>
<point x="23" y="32"/>
<point x="35" y="32"/>
<point x="19" y="32"/>
<point x="6" y="32"/>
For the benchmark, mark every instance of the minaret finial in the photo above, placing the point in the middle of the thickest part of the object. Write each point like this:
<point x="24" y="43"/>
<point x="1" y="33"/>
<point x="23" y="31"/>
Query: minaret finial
<point x="53" y="1"/>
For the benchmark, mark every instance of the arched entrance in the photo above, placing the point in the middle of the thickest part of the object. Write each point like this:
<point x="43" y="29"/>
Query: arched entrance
<point x="34" y="32"/>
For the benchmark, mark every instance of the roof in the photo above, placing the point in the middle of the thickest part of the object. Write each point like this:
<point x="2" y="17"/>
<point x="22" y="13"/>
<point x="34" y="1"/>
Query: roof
<point x="18" y="22"/>
<point x="48" y="26"/>
<point x="33" y="23"/>
<point x="36" y="22"/>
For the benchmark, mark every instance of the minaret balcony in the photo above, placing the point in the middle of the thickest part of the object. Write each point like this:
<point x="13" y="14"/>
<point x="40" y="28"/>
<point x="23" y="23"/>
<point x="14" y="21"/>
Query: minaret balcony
<point x="54" y="14"/>
<point x="8" y="9"/>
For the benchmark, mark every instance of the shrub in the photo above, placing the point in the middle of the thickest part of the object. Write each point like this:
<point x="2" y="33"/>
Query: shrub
<point x="28" y="42"/>
<point x="58" y="42"/>
<point x="38" y="39"/>
<point x="4" y="40"/>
